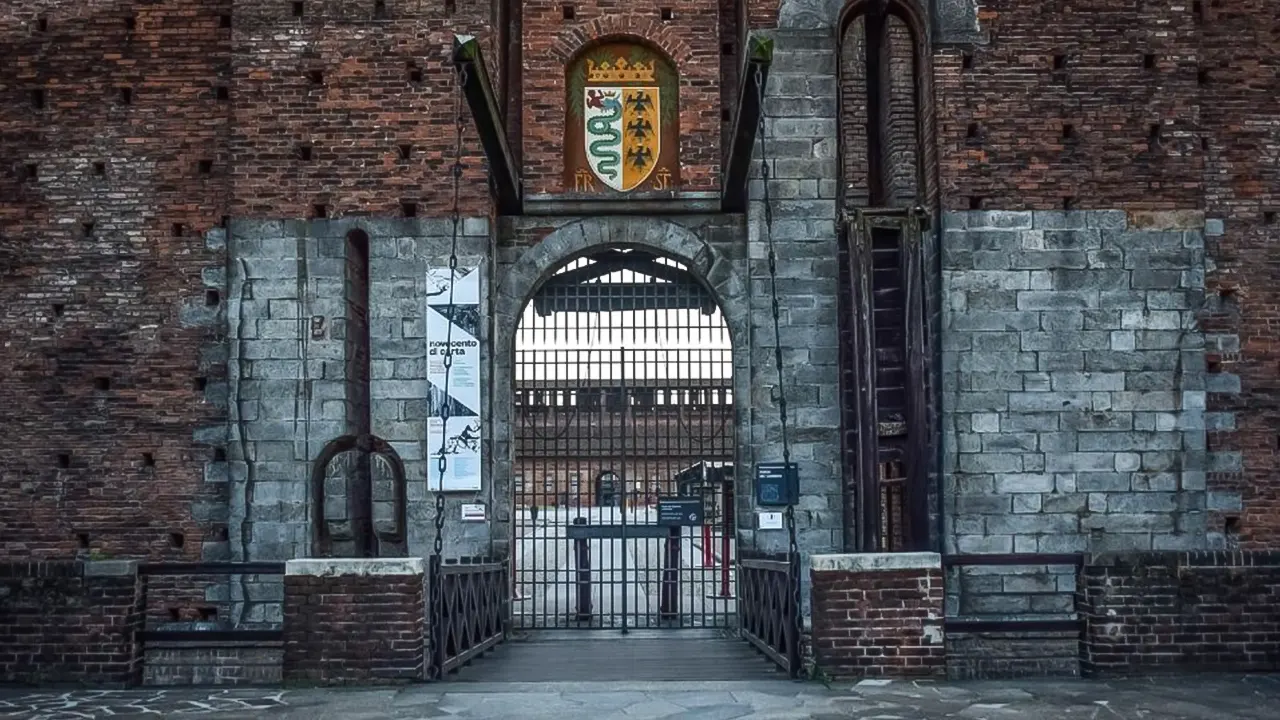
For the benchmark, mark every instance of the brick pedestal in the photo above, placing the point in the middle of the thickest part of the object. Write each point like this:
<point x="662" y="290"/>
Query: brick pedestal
<point x="1180" y="612"/>
<point x="878" y="615"/>
<point x="354" y="621"/>
<point x="70" y="622"/>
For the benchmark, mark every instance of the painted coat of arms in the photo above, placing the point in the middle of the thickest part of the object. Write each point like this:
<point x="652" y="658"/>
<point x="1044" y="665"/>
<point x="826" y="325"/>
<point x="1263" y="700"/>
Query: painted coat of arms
<point x="625" y="131"/>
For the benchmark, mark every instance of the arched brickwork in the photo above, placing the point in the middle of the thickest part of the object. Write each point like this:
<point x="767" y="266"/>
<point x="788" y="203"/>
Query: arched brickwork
<point x="621" y="27"/>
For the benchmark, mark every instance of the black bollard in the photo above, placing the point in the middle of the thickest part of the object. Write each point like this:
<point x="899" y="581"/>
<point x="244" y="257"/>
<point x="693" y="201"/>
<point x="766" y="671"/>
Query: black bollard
<point x="582" y="555"/>
<point x="669" y="599"/>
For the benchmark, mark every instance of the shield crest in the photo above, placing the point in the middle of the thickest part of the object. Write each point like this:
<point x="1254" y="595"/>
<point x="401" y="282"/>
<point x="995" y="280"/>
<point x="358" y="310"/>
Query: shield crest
<point x="621" y="133"/>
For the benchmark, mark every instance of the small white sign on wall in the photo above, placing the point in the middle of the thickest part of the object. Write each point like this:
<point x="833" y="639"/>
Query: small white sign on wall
<point x="473" y="512"/>
<point x="769" y="520"/>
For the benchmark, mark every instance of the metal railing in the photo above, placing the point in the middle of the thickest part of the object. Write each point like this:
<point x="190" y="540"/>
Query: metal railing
<point x="474" y="599"/>
<point x="767" y="610"/>
<point x="1012" y="624"/>
<point x="195" y="594"/>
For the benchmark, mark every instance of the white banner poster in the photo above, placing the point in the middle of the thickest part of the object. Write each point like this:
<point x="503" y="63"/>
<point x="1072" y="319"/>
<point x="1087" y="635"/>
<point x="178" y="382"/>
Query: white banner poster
<point x="458" y="436"/>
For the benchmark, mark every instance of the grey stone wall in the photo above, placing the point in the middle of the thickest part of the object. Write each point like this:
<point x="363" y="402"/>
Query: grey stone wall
<point x="286" y="378"/>
<point x="801" y="149"/>
<point x="1073" y="393"/>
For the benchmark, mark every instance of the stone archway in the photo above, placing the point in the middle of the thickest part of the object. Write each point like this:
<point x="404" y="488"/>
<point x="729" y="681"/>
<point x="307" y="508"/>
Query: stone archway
<point x="724" y="275"/>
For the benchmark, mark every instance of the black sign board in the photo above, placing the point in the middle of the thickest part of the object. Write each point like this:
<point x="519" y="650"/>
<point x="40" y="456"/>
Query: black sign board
<point x="777" y="484"/>
<point x="673" y="512"/>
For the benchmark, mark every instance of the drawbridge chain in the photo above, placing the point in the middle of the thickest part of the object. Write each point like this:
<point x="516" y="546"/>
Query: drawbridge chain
<point x="793" y="550"/>
<point x="435" y="670"/>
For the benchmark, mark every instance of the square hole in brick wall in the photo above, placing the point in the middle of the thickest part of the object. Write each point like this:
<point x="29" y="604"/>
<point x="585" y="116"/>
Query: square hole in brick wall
<point x="82" y="541"/>
<point x="450" y="6"/>
<point x="59" y="309"/>
<point x="207" y="614"/>
<point x="1149" y="61"/>
<point x="1060" y="62"/>
<point x="304" y="153"/>
<point x="1068" y="132"/>
<point x="220" y="534"/>
<point x="973" y="131"/>
<point x="38" y="99"/>
<point x="667" y="14"/>
<point x="126" y="96"/>
<point x="222" y="92"/>
<point x="148" y="460"/>
<point x="175" y="614"/>
<point x="219" y="455"/>
<point x="1197" y="11"/>
<point x="966" y="61"/>
<point x="31" y="172"/>
<point x="1269" y="217"/>
<point x="224" y="21"/>
<point x="204" y="167"/>
<point x="379" y="9"/>
<point x="409" y="209"/>
<point x="130" y="23"/>
<point x="177" y="540"/>
<point x="315" y="77"/>
<point x="212" y="298"/>
<point x="976" y="202"/>
<point x="64" y="460"/>
<point x="1204" y="143"/>
<point x="200" y="384"/>
<point x="299" y="9"/>
<point x="319" y="210"/>
<point x="414" y="72"/>
<point x="726" y="49"/>
<point x="1202" y="76"/>
<point x="102" y="383"/>
<point x="99" y="169"/>
<point x="86" y="229"/>
<point x="567" y="12"/>
<point x="725" y="115"/>
<point x="178" y="230"/>
<point x="404" y="151"/>
<point x="1069" y="202"/>
<point x="1153" y="135"/>
<point x="42" y="24"/>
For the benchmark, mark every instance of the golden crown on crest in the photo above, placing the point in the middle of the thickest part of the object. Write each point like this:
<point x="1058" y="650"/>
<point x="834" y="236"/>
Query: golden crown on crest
<point x="619" y="71"/>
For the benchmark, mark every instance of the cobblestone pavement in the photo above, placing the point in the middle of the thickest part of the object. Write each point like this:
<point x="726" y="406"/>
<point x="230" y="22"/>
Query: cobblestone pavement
<point x="1182" y="698"/>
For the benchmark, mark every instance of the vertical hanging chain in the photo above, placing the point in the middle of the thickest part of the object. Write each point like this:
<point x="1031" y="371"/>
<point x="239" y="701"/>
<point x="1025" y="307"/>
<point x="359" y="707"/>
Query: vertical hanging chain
<point x="437" y="549"/>
<point x="793" y="550"/>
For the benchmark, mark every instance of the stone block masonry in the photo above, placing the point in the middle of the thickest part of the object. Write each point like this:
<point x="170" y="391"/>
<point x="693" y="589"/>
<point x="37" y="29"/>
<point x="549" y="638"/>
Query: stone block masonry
<point x="1204" y="611"/>
<point x="878" y="615"/>
<point x="70" y="622"/>
<point x="354" y="621"/>
<point x="1073" y="387"/>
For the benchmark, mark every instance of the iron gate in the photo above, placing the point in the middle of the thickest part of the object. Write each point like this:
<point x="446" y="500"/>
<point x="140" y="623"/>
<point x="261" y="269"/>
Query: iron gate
<point x="623" y="415"/>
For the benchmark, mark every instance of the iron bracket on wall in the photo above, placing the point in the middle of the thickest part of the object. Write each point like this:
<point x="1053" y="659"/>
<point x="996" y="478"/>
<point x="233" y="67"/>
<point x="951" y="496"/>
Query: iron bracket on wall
<point x="742" y="141"/>
<point x="485" y="110"/>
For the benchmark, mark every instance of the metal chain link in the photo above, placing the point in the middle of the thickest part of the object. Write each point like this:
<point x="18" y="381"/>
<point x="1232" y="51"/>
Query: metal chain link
<point x="437" y="548"/>
<point x="793" y="554"/>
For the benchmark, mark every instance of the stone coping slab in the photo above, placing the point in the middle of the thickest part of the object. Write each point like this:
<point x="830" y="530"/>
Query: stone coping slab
<point x="329" y="567"/>
<point x="877" y="562"/>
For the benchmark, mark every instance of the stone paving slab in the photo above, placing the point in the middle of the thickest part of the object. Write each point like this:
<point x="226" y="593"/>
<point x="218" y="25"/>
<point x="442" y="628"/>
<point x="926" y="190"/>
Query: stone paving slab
<point x="1201" y="697"/>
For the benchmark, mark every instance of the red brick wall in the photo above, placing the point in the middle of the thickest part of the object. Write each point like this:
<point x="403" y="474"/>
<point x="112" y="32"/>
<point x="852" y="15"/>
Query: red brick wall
<point x="365" y="105"/>
<point x="59" y="624"/>
<point x="1180" y="612"/>
<point x="342" y="629"/>
<point x="112" y="469"/>
<point x="1021" y="103"/>
<point x="690" y="39"/>
<point x="1240" y="101"/>
<point x="878" y="623"/>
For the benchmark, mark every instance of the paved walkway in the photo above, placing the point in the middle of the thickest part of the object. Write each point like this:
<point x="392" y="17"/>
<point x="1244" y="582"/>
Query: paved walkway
<point x="1185" y="698"/>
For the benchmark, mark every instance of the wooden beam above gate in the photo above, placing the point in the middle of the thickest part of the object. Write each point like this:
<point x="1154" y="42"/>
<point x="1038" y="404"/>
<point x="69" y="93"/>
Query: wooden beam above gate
<point x="478" y="89"/>
<point x="746" y="121"/>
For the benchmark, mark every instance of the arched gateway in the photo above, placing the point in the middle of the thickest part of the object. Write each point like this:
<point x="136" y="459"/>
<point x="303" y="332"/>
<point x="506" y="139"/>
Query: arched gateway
<point x="622" y="485"/>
